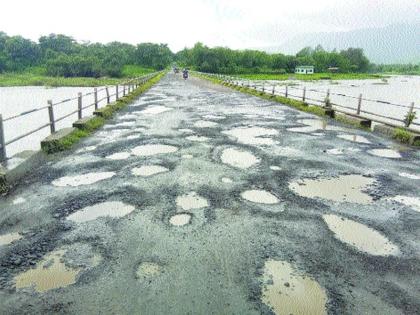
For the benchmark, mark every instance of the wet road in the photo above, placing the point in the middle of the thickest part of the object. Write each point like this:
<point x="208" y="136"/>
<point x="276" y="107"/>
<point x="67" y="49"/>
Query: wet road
<point x="199" y="200"/>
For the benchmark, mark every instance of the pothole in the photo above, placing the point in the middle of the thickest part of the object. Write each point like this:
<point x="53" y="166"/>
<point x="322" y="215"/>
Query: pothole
<point x="313" y="125"/>
<point x="253" y="135"/>
<point x="155" y="109"/>
<point x="260" y="196"/>
<point x="275" y="168"/>
<point x="191" y="201"/>
<point x="412" y="202"/>
<point x="205" y="124"/>
<point x="387" y="153"/>
<point x="105" y="209"/>
<point x="180" y="219"/>
<point x="153" y="149"/>
<point x="52" y="272"/>
<point x="132" y="137"/>
<point x="287" y="291"/>
<point x="79" y="180"/>
<point x="9" y="238"/>
<point x="214" y="117"/>
<point x="186" y="130"/>
<point x="227" y="180"/>
<point x="187" y="156"/>
<point x="86" y="149"/>
<point x="148" y="270"/>
<point x="345" y="188"/>
<point x="148" y="170"/>
<point x="238" y="158"/>
<point x="410" y="176"/>
<point x="18" y="201"/>
<point x="360" y="236"/>
<point x="197" y="138"/>
<point x="354" y="138"/>
<point x="119" y="156"/>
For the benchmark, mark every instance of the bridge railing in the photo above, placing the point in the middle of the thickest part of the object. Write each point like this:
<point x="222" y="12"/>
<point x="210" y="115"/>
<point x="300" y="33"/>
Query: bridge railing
<point x="110" y="93"/>
<point x="359" y="110"/>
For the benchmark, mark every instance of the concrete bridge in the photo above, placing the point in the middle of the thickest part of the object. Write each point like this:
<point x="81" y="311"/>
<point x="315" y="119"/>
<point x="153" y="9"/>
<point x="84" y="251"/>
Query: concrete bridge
<point x="196" y="199"/>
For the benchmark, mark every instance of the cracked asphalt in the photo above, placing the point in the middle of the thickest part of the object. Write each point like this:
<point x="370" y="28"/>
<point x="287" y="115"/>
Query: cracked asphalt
<point x="212" y="144"/>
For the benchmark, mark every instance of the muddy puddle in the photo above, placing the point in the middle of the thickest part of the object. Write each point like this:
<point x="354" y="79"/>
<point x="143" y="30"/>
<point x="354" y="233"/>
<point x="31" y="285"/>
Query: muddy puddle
<point x="253" y="135"/>
<point x="52" y="272"/>
<point x="180" y="219"/>
<point x="155" y="109"/>
<point x="191" y="201"/>
<point x="148" y="170"/>
<point x="115" y="209"/>
<point x="147" y="270"/>
<point x="260" y="196"/>
<point x="119" y="156"/>
<point x="79" y="180"/>
<point x="386" y="153"/>
<point x="286" y="291"/>
<point x="313" y="125"/>
<point x="9" y="238"/>
<point x="197" y="138"/>
<point x="205" y="124"/>
<point x="360" y="236"/>
<point x="412" y="202"/>
<point x="153" y="149"/>
<point x="238" y="158"/>
<point x="345" y="188"/>
<point x="354" y="138"/>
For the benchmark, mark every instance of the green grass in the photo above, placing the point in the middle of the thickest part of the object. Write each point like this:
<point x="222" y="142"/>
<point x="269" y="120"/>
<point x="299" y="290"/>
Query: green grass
<point x="36" y="76"/>
<point x="310" y="77"/>
<point x="402" y="135"/>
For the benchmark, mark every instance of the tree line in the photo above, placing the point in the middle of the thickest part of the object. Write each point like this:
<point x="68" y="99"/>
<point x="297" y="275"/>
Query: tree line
<point x="61" y="55"/>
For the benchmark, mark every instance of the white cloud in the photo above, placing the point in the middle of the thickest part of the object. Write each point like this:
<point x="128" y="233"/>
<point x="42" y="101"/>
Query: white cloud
<point x="235" y="23"/>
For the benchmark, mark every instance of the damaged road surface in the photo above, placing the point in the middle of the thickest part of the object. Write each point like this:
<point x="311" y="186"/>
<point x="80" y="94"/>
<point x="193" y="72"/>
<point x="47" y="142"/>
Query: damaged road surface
<point x="199" y="200"/>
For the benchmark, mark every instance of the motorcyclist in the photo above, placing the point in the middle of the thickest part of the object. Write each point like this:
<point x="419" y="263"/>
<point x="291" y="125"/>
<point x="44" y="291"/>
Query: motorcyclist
<point x="185" y="73"/>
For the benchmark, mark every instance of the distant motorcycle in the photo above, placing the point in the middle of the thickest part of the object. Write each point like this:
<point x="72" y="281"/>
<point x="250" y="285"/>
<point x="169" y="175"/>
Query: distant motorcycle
<point x="185" y="74"/>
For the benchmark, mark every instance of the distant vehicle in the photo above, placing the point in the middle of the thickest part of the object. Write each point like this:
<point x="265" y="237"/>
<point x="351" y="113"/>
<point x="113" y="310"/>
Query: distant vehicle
<point x="185" y="74"/>
<point x="176" y="70"/>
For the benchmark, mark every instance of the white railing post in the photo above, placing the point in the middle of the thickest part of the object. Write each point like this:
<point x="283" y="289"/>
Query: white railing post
<point x="95" y="95"/>
<point x="304" y="94"/>
<point x="286" y="94"/>
<point x="359" y="104"/>
<point x="79" y="105"/>
<point x="409" y="113"/>
<point x="2" y="141"/>
<point x="116" y="92"/>
<point x="108" y="100"/>
<point x="51" y="116"/>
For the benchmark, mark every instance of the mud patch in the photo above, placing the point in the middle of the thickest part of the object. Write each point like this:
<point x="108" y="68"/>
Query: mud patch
<point x="148" y="270"/>
<point x="191" y="201"/>
<point x="198" y="138"/>
<point x="180" y="219"/>
<point x="119" y="156"/>
<point x="253" y="135"/>
<point x="148" y="170"/>
<point x="238" y="158"/>
<point x="205" y="124"/>
<point x="287" y="291"/>
<point x="153" y="149"/>
<point x="345" y="188"/>
<point x="387" y="153"/>
<point x="79" y="180"/>
<point x="9" y="238"/>
<point x="114" y="209"/>
<point x="412" y="202"/>
<point x="260" y="196"/>
<point x="354" y="138"/>
<point x="360" y="236"/>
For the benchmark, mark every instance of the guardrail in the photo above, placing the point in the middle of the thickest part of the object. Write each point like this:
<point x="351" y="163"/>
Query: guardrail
<point x="325" y="101"/>
<point x="122" y="89"/>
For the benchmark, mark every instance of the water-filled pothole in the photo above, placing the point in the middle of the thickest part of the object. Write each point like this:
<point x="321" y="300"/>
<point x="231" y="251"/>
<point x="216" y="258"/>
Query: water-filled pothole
<point x="238" y="158"/>
<point x="180" y="219"/>
<point x="387" y="153"/>
<point x="408" y="175"/>
<point x="187" y="156"/>
<point x="205" y="124"/>
<point x="253" y="135"/>
<point x="148" y="269"/>
<point x="354" y="138"/>
<point x="84" y="179"/>
<point x="313" y="125"/>
<point x="9" y="238"/>
<point x="155" y="109"/>
<point x="227" y="180"/>
<point x="198" y="138"/>
<point x="275" y="168"/>
<point x="412" y="202"/>
<point x="119" y="156"/>
<point x="153" y="149"/>
<point x="191" y="201"/>
<point x="18" y="201"/>
<point x="105" y="209"/>
<point x="345" y="188"/>
<point x="260" y="196"/>
<point x="148" y="170"/>
<point x="287" y="291"/>
<point x="214" y="117"/>
<point x="360" y="236"/>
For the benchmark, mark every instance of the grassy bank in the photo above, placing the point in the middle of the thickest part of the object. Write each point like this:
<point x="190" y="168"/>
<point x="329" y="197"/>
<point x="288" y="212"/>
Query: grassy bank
<point x="310" y="77"/>
<point x="38" y="77"/>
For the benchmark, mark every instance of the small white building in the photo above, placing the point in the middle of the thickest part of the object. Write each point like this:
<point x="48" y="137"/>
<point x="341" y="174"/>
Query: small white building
<point x="304" y="70"/>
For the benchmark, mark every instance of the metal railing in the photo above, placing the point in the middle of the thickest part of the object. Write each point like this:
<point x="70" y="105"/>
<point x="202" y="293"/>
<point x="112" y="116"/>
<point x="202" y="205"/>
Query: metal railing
<point x="299" y="93"/>
<point x="122" y="89"/>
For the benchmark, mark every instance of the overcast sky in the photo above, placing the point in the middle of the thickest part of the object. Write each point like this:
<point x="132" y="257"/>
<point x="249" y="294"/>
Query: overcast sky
<point x="232" y="23"/>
